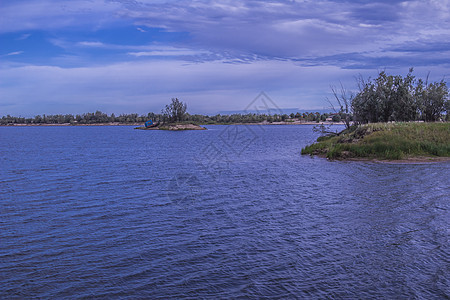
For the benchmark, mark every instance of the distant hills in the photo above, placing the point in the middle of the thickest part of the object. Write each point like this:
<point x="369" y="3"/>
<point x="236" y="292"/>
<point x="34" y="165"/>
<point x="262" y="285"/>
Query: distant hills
<point x="273" y="111"/>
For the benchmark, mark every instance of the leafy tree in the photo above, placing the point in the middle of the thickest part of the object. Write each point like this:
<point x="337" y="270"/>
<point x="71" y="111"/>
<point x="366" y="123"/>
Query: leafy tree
<point x="175" y="111"/>
<point x="431" y="99"/>
<point x="337" y="118"/>
<point x="394" y="98"/>
<point x="405" y="105"/>
<point x="447" y="110"/>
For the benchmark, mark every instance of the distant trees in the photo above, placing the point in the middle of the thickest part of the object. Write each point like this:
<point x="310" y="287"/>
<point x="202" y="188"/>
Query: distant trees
<point x="175" y="111"/>
<point x="336" y="118"/>
<point x="88" y="118"/>
<point x="100" y="118"/>
<point x="396" y="98"/>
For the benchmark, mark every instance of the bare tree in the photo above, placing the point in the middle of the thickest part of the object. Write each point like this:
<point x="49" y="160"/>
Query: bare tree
<point x="344" y="99"/>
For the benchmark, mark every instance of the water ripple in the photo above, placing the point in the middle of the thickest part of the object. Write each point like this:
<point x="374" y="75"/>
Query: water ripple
<point x="110" y="212"/>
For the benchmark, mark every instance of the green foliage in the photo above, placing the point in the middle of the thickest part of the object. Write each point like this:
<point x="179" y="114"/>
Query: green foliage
<point x="88" y="118"/>
<point x="386" y="141"/>
<point x="175" y="111"/>
<point x="336" y="118"/>
<point x="396" y="98"/>
<point x="102" y="118"/>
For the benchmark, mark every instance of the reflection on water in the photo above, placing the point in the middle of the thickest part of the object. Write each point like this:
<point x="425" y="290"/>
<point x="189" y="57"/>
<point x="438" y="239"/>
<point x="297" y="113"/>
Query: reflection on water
<point x="228" y="212"/>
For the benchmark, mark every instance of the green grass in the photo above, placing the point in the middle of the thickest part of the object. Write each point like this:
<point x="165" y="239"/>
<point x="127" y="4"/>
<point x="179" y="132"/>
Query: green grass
<point x="389" y="141"/>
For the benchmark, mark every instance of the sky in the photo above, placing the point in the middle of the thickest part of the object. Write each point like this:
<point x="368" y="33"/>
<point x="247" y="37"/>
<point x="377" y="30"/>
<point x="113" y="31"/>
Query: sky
<point x="126" y="56"/>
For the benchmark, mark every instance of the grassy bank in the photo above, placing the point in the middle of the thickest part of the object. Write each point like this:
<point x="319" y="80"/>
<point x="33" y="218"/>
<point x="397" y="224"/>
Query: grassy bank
<point x="386" y="141"/>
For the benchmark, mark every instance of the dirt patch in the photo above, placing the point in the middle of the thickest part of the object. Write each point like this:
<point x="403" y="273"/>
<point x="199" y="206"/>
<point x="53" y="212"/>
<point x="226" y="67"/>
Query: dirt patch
<point x="174" y="127"/>
<point x="182" y="127"/>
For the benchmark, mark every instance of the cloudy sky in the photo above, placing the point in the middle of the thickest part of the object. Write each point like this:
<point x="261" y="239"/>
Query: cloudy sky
<point x="124" y="56"/>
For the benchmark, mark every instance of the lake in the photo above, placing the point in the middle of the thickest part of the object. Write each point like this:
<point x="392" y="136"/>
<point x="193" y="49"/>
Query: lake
<point x="229" y="212"/>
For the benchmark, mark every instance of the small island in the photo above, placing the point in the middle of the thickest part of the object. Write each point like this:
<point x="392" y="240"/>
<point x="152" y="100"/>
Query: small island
<point x="173" y="117"/>
<point x="174" y="127"/>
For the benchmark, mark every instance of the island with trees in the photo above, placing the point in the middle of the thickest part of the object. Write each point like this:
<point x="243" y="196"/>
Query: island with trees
<point x="390" y="118"/>
<point x="173" y="117"/>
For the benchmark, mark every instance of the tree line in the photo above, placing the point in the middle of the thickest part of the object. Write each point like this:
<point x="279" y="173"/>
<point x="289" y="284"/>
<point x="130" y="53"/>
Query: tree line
<point x="383" y="99"/>
<point x="88" y="118"/>
<point x="174" y="112"/>
<point x="390" y="98"/>
<point x="102" y="118"/>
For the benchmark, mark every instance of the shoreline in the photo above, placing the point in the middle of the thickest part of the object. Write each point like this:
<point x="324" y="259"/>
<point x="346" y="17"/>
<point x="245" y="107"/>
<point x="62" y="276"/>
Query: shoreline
<point x="407" y="160"/>
<point x="386" y="143"/>
<point x="140" y="124"/>
<point x="74" y="125"/>
<point x="282" y="123"/>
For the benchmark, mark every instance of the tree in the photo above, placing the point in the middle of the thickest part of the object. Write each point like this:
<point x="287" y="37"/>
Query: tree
<point x="447" y="110"/>
<point x="397" y="98"/>
<point x="431" y="99"/>
<point x="336" y="118"/>
<point x="344" y="99"/>
<point x="175" y="111"/>
<point x="405" y="106"/>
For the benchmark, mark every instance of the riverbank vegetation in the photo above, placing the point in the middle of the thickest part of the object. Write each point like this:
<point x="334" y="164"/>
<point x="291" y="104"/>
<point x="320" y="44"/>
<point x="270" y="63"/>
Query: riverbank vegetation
<point x="400" y="99"/>
<point x="391" y="117"/>
<point x="102" y="118"/>
<point x="390" y="98"/>
<point x="391" y="141"/>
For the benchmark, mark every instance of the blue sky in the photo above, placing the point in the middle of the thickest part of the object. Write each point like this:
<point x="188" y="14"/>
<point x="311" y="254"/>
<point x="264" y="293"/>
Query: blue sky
<point x="126" y="56"/>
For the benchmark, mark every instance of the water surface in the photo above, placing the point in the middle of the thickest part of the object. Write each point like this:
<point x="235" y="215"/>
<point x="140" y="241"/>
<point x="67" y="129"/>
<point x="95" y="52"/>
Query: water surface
<point x="234" y="211"/>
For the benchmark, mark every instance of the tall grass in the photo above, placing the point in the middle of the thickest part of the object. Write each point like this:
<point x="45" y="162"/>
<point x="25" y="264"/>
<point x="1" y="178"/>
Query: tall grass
<point x="387" y="141"/>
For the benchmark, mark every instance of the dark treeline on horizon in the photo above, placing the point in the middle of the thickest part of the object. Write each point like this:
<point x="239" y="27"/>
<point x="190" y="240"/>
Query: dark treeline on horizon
<point x="101" y="118"/>
<point x="386" y="98"/>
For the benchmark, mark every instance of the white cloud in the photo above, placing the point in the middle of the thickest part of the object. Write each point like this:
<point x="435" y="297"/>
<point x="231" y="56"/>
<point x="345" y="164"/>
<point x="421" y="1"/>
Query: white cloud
<point x="294" y="29"/>
<point x="245" y="47"/>
<point x="169" y="51"/>
<point x="92" y="44"/>
<point x="136" y="50"/>
<point x="52" y="14"/>
<point x="284" y="29"/>
<point x="24" y="36"/>
<point x="147" y="85"/>
<point x="14" y="53"/>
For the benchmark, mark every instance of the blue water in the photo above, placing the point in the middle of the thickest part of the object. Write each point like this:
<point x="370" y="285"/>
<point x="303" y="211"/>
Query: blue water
<point x="231" y="212"/>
